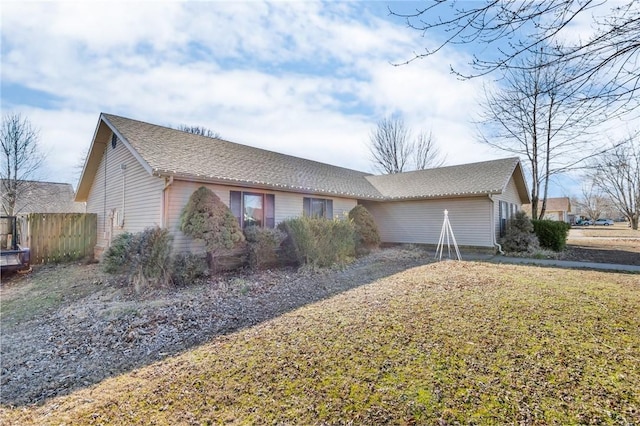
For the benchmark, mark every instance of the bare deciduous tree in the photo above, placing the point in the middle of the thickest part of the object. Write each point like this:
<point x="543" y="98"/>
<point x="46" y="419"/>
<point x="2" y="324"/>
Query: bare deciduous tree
<point x="426" y="153"/>
<point x="199" y="130"/>
<point x="592" y="202"/>
<point x="534" y="117"/>
<point x="509" y="30"/>
<point x="21" y="159"/>
<point x="617" y="174"/>
<point x="390" y="145"/>
<point x="393" y="150"/>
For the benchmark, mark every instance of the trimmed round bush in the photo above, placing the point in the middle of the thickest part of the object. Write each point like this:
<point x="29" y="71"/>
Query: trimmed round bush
<point x="205" y="217"/>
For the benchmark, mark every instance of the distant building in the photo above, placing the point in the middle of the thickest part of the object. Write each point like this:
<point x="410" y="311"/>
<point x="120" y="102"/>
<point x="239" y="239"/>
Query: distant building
<point x="43" y="197"/>
<point x="557" y="209"/>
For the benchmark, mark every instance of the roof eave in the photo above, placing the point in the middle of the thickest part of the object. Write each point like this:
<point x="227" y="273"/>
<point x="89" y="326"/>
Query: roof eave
<point x="257" y="184"/>
<point x="88" y="169"/>
<point x="435" y="196"/>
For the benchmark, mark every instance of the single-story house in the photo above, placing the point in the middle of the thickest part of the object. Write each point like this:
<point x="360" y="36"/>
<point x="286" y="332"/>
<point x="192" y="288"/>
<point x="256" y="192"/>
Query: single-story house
<point x="42" y="197"/>
<point x="557" y="209"/>
<point x="139" y="175"/>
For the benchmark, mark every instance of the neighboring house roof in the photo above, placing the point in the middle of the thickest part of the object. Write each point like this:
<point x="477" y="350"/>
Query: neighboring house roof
<point x="169" y="152"/>
<point x="45" y="197"/>
<point x="559" y="204"/>
<point x="487" y="177"/>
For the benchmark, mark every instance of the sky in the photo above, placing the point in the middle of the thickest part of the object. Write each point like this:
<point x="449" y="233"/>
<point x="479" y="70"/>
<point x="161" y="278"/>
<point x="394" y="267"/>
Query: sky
<point x="302" y="78"/>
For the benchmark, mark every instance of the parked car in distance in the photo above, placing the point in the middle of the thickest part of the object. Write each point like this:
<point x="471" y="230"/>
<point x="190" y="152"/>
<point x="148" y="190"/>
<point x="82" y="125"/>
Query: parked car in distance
<point x="586" y="222"/>
<point x="605" y="222"/>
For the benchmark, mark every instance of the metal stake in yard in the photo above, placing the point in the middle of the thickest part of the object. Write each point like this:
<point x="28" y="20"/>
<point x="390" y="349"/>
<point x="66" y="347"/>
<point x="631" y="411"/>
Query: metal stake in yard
<point x="447" y="233"/>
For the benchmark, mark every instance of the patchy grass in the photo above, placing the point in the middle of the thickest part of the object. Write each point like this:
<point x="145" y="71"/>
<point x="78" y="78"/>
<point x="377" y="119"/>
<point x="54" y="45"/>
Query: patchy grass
<point x="25" y="297"/>
<point x="628" y="244"/>
<point x="618" y="230"/>
<point x="443" y="343"/>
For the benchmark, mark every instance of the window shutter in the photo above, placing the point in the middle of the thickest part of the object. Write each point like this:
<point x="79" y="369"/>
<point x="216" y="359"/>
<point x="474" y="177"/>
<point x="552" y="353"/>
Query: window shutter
<point x="329" y="212"/>
<point x="306" y="206"/>
<point x="501" y="219"/>
<point x="235" y="203"/>
<point x="269" y="210"/>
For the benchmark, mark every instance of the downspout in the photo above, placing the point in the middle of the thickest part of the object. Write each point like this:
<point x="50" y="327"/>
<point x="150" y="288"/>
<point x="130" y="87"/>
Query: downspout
<point x="493" y="225"/>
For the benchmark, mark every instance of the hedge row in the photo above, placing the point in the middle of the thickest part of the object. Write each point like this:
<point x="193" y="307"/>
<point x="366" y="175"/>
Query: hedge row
<point x="146" y="258"/>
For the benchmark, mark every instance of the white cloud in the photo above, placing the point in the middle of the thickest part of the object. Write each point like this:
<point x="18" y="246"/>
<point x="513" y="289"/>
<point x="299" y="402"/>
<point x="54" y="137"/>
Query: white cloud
<point x="304" y="78"/>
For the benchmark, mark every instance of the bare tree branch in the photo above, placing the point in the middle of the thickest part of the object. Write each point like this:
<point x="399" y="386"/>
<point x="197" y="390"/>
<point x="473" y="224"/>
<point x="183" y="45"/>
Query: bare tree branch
<point x="199" y="130"/>
<point x="426" y="152"/>
<point x="393" y="149"/>
<point x="617" y="174"/>
<point x="509" y="31"/>
<point x="390" y="145"/>
<point x="21" y="159"/>
<point x="593" y="202"/>
<point x="534" y="117"/>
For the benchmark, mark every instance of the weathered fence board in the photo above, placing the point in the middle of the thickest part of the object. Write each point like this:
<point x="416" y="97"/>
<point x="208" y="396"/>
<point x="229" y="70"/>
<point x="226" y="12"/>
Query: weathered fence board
<point x="59" y="237"/>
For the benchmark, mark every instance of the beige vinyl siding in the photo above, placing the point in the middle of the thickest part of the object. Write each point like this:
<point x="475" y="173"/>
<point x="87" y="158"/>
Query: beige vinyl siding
<point x="511" y="196"/>
<point x="142" y="203"/>
<point x="555" y="215"/>
<point x="287" y="205"/>
<point x="420" y="222"/>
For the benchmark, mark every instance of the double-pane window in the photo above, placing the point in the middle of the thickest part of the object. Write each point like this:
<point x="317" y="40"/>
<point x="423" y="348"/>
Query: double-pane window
<point x="253" y="209"/>
<point x="318" y="207"/>
<point x="506" y="211"/>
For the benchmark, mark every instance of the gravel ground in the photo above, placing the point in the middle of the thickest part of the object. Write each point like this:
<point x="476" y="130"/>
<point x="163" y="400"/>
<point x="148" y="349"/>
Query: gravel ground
<point x="106" y="329"/>
<point x="604" y="244"/>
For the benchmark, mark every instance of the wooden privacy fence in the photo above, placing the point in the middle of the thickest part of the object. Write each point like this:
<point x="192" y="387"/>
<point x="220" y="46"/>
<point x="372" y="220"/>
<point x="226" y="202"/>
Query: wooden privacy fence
<point x="59" y="237"/>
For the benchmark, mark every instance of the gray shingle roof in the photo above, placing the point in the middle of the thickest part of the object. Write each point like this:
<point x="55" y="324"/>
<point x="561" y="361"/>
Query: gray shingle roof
<point x="487" y="177"/>
<point x="46" y="197"/>
<point x="187" y="155"/>
<point x="184" y="155"/>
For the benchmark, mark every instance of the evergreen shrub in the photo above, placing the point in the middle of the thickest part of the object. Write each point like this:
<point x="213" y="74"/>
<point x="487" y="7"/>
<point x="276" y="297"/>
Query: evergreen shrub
<point x="317" y="241"/>
<point x="205" y="217"/>
<point x="262" y="246"/>
<point x="144" y="257"/>
<point x="187" y="268"/>
<point x="366" y="231"/>
<point x="551" y="234"/>
<point x="519" y="236"/>
<point x="119" y="256"/>
<point x="298" y="246"/>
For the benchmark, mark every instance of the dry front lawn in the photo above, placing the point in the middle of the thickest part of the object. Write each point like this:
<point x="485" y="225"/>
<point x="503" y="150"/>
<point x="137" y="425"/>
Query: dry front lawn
<point x="436" y="344"/>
